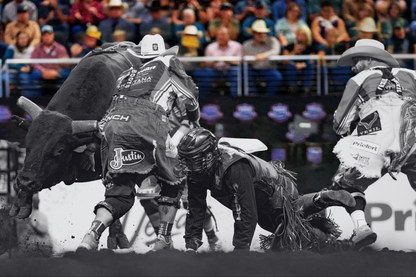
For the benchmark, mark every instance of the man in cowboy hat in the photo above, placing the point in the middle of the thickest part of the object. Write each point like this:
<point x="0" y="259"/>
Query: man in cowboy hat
<point x="136" y="141"/>
<point x="378" y="96"/>
<point x="262" y="46"/>
<point x="114" y="21"/>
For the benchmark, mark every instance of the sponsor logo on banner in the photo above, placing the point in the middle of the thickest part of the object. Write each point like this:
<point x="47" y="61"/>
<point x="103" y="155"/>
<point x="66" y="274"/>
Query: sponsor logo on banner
<point x="279" y="112"/>
<point x="314" y="112"/>
<point x="369" y="124"/>
<point x="126" y="157"/>
<point x="245" y="112"/>
<point x="365" y="146"/>
<point x="211" y="112"/>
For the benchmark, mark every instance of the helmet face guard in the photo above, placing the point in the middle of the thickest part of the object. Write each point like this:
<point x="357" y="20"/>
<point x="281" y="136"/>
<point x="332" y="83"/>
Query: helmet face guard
<point x="198" y="153"/>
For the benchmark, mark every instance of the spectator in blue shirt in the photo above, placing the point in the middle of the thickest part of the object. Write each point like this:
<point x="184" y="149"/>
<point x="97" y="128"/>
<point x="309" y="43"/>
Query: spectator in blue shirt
<point x="280" y="6"/>
<point x="260" y="12"/>
<point x="245" y="8"/>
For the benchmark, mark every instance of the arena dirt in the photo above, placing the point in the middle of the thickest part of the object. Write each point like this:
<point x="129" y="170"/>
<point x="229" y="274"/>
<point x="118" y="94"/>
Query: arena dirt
<point x="176" y="263"/>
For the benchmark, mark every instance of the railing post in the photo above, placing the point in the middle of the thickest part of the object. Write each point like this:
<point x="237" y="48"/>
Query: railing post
<point x="239" y="79"/>
<point x="245" y="68"/>
<point x="318" y="77"/>
<point x="1" y="79"/>
<point x="6" y="81"/>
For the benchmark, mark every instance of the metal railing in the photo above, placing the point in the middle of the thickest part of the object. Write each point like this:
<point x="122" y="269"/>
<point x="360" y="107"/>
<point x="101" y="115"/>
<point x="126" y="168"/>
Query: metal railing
<point x="322" y="76"/>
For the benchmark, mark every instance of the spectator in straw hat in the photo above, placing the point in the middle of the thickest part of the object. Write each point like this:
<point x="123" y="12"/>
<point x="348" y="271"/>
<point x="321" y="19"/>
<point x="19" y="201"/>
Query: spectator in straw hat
<point x="260" y="12"/>
<point x="378" y="96"/>
<point x="262" y="69"/>
<point x="188" y="16"/>
<point x="90" y="41"/>
<point x="114" y="21"/>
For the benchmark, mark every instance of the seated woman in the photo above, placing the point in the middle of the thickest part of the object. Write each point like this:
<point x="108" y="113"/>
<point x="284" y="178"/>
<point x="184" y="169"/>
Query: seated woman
<point x="295" y="69"/>
<point x="20" y="50"/>
<point x="286" y="27"/>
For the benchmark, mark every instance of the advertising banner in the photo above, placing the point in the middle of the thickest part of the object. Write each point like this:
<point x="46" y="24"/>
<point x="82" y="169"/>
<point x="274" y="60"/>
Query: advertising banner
<point x="391" y="212"/>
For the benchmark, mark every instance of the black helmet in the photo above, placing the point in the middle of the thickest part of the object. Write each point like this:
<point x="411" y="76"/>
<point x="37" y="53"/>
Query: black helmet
<point x="198" y="151"/>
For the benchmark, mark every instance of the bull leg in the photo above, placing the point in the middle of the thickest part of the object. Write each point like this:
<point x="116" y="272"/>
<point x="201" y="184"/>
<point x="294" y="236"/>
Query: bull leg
<point x="116" y="237"/>
<point x="22" y="205"/>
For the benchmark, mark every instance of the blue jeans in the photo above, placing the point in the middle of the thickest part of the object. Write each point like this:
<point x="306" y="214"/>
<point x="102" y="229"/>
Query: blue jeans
<point x="206" y="77"/>
<point x="264" y="81"/>
<point x="308" y="73"/>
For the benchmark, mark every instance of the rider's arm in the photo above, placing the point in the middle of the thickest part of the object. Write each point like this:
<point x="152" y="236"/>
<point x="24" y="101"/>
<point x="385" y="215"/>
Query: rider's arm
<point x="239" y="179"/>
<point x="347" y="110"/>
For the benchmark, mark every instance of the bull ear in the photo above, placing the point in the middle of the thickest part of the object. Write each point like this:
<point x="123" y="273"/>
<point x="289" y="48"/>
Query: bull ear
<point x="83" y="126"/>
<point x="29" y="107"/>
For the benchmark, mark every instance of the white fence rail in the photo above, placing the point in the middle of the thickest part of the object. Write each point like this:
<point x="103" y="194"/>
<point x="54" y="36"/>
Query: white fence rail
<point x="322" y="78"/>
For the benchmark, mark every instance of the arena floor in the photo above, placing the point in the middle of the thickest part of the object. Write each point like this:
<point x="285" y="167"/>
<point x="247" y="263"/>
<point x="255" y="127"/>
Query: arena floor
<point x="177" y="263"/>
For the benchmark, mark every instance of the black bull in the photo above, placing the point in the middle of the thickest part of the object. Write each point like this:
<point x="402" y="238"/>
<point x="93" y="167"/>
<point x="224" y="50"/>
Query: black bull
<point x="65" y="124"/>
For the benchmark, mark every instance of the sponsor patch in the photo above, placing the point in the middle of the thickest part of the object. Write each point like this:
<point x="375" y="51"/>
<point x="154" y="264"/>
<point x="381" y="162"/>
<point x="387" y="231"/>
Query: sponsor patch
<point x="369" y="124"/>
<point x="363" y="160"/>
<point x="126" y="157"/>
<point x="365" y="146"/>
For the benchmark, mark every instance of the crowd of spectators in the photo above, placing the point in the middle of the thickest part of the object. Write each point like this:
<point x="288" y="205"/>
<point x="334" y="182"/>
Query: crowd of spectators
<point x="212" y="28"/>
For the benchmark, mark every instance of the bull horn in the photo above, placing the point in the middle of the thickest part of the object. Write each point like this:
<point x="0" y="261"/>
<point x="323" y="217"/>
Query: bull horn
<point x="83" y="126"/>
<point x="29" y="107"/>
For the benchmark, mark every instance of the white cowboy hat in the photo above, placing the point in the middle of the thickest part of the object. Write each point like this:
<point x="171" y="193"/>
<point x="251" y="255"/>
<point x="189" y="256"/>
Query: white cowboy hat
<point x="153" y="45"/>
<point x="367" y="48"/>
<point x="258" y="26"/>
<point x="368" y="25"/>
<point x="116" y="3"/>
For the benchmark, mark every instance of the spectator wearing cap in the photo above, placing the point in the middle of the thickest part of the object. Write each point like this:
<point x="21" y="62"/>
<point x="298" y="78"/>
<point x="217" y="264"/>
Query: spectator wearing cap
<point x="136" y="11"/>
<point x="279" y="9"/>
<point x="286" y="27"/>
<point x="207" y="77"/>
<point x="246" y="8"/>
<point x="200" y="12"/>
<point x="49" y="49"/>
<point x="400" y="44"/>
<point x="157" y="19"/>
<point x="90" y="41"/>
<point x="22" y="23"/>
<point x="114" y="21"/>
<point x="227" y="20"/>
<point x="393" y="18"/>
<point x="56" y="14"/>
<point x="260" y="12"/>
<point x="9" y="13"/>
<point x="189" y="20"/>
<point x="82" y="14"/>
<point x="262" y="69"/>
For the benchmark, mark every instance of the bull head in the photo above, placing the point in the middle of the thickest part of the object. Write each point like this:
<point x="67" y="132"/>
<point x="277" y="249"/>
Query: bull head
<point x="50" y="142"/>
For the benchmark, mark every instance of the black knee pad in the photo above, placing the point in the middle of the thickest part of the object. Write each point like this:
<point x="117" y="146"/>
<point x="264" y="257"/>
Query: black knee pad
<point x="117" y="206"/>
<point x="150" y="206"/>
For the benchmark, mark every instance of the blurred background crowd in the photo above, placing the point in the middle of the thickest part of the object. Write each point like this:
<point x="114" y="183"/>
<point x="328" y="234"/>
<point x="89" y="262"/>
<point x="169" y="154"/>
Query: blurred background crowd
<point x="260" y="28"/>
